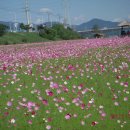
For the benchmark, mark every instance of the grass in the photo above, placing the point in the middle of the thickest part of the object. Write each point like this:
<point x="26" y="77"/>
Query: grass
<point x="98" y="80"/>
<point x="15" y="38"/>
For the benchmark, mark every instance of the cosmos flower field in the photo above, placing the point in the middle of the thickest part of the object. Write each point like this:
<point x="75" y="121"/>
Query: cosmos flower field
<point x="66" y="85"/>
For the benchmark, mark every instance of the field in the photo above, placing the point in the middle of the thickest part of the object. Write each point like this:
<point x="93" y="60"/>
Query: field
<point x="66" y="85"/>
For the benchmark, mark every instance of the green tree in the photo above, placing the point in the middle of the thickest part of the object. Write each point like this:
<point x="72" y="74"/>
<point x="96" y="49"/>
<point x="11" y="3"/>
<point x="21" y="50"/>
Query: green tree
<point x="25" y="27"/>
<point x="3" y="29"/>
<point x="40" y="27"/>
<point x="57" y="32"/>
<point x="65" y="33"/>
<point x="46" y="32"/>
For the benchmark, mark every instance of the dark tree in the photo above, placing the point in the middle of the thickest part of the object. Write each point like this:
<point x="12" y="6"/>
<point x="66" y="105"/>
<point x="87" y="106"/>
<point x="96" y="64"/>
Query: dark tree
<point x="3" y="29"/>
<point x="25" y="27"/>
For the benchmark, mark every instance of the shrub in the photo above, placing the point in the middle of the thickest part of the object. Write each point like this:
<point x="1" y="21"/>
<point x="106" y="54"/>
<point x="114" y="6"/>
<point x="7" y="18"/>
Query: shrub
<point x="57" y="32"/>
<point x="3" y="29"/>
<point x="24" y="40"/>
<point x="48" y="33"/>
<point x="65" y="33"/>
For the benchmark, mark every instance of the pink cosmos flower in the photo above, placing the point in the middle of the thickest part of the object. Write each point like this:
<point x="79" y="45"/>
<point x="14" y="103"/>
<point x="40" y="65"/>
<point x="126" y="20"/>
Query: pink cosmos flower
<point x="82" y="123"/>
<point x="103" y="114"/>
<point x="14" y="76"/>
<point x="4" y="67"/>
<point x="94" y="123"/>
<point x="126" y="84"/>
<point x="29" y="121"/>
<point x="67" y="116"/>
<point x="75" y="115"/>
<point x="49" y="119"/>
<point x="47" y="111"/>
<point x="82" y="106"/>
<point x="30" y="104"/>
<point x="125" y="98"/>
<point x="54" y="85"/>
<point x="129" y="112"/>
<point x="48" y="127"/>
<point x="116" y="104"/>
<point x="58" y="91"/>
<point x="9" y="103"/>
<point x="50" y="93"/>
<point x="45" y="102"/>
<point x="88" y="105"/>
<point x="36" y="108"/>
<point x="6" y="113"/>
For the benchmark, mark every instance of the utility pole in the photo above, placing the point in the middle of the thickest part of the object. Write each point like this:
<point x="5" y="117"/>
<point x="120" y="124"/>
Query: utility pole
<point x="49" y="18"/>
<point x="59" y="18"/>
<point x="48" y="14"/>
<point x="14" y="29"/>
<point x="15" y="23"/>
<point x="42" y="19"/>
<point x="10" y="27"/>
<point x="27" y="12"/>
<point x="65" y="13"/>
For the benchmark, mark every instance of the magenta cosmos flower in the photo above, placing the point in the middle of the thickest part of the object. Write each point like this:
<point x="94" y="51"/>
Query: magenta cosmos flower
<point x="67" y="116"/>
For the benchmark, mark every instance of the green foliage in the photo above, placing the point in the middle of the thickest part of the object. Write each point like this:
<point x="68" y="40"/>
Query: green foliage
<point x="18" y="38"/>
<point x="65" y="33"/>
<point x="25" y="27"/>
<point x="40" y="27"/>
<point x="57" y="32"/>
<point x="48" y="33"/>
<point x="22" y="26"/>
<point x="3" y="29"/>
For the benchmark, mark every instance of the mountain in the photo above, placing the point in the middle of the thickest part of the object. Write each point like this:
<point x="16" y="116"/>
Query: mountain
<point x="7" y="23"/>
<point x="99" y="22"/>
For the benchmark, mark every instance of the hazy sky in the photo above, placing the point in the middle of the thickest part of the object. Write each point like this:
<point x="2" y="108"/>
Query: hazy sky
<point x="79" y="11"/>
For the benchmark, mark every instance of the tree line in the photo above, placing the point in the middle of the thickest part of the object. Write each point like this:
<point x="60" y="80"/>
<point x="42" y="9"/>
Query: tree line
<point x="57" y="31"/>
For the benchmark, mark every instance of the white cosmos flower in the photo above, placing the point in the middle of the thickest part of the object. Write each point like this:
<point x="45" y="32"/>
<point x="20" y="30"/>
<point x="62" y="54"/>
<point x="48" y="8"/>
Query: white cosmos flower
<point x="12" y="82"/>
<point x="12" y="120"/>
<point x="101" y="107"/>
<point x="65" y="82"/>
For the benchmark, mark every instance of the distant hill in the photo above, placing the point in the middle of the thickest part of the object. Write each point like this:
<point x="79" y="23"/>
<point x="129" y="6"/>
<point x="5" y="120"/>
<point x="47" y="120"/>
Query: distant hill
<point x="7" y="23"/>
<point x="101" y="24"/>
